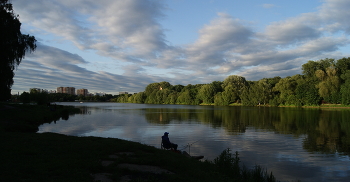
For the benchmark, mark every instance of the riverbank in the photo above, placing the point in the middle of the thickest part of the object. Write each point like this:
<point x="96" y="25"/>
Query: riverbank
<point x="30" y="156"/>
<point x="322" y="106"/>
<point x="56" y="157"/>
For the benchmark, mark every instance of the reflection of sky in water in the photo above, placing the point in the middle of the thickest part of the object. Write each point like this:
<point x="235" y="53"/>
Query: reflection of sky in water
<point x="282" y="154"/>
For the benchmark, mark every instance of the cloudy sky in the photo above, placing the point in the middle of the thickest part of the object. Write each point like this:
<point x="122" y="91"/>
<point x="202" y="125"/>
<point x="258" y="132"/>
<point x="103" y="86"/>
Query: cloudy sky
<point x="124" y="45"/>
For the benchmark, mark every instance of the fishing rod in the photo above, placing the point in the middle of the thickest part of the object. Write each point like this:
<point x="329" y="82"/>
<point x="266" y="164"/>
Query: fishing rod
<point x="189" y="146"/>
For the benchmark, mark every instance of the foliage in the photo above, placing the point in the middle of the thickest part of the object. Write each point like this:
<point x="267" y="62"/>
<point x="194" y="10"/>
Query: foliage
<point x="14" y="45"/>
<point x="238" y="83"/>
<point x="206" y="93"/>
<point x="285" y="87"/>
<point x="230" y="166"/>
<point x="323" y="81"/>
<point x="257" y="93"/>
<point x="329" y="83"/>
<point x="41" y="98"/>
<point x="229" y="95"/>
<point x="219" y="100"/>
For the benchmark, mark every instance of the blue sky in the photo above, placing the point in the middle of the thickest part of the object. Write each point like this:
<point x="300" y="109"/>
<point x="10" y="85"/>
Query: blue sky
<point x="124" y="45"/>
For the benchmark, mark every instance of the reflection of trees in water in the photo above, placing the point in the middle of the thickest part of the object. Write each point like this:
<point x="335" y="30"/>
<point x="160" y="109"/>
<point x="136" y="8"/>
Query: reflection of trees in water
<point x="64" y="115"/>
<point x="331" y="133"/>
<point x="326" y="131"/>
<point x="166" y="115"/>
<point x="84" y="110"/>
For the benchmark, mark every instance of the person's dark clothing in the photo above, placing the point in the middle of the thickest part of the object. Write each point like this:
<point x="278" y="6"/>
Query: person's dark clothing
<point x="167" y="144"/>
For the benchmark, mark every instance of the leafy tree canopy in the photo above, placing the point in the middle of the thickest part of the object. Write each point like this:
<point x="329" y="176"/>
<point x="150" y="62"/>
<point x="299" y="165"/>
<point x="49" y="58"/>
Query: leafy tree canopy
<point x="14" y="46"/>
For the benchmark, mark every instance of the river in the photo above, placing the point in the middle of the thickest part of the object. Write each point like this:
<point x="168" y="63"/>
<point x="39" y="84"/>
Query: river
<point x="294" y="143"/>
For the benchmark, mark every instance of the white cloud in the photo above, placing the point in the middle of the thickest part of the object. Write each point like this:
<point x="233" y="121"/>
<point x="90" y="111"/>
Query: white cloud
<point x="129" y="34"/>
<point x="290" y="32"/>
<point x="335" y="14"/>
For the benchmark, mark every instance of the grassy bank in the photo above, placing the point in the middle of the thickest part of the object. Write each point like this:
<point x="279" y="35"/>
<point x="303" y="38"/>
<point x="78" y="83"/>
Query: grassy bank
<point x="55" y="157"/>
<point x="30" y="156"/>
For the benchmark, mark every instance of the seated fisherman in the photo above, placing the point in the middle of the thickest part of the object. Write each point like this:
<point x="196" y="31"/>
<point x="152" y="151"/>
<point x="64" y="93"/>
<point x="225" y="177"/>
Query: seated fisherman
<point x="166" y="142"/>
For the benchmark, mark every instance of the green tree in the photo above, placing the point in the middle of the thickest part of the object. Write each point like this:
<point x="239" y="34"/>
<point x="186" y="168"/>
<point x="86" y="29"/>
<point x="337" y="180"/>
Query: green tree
<point x="306" y="93"/>
<point x="24" y="97"/>
<point x="124" y="98"/>
<point x="237" y="83"/>
<point x="229" y="95"/>
<point x="162" y="96"/>
<point x="257" y="93"/>
<point x="218" y="86"/>
<point x="286" y="87"/>
<point x="152" y="98"/>
<point x="345" y="88"/>
<point x="248" y="95"/>
<point x="151" y="87"/>
<point x="342" y="65"/>
<point x="14" y="46"/>
<point x="188" y="95"/>
<point x="219" y="101"/>
<point x="139" y="98"/>
<point x="172" y="97"/>
<point x="206" y="93"/>
<point x="264" y="90"/>
<point x="185" y="98"/>
<point x="178" y="88"/>
<point x="329" y="85"/>
<point x="311" y="67"/>
<point x="345" y="93"/>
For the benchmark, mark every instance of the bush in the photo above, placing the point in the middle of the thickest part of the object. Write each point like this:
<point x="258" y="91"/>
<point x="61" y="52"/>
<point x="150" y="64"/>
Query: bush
<point x="230" y="167"/>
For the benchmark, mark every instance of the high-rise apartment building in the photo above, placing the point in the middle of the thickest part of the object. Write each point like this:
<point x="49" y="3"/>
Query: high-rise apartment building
<point x="83" y="92"/>
<point x="59" y="89"/>
<point x="66" y="90"/>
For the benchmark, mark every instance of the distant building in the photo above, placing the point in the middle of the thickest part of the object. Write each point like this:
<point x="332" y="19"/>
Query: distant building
<point x="83" y="92"/>
<point x="66" y="90"/>
<point x="121" y="93"/>
<point x="59" y="89"/>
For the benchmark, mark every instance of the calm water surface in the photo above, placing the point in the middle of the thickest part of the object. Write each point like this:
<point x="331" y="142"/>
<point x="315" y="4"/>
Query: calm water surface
<point x="293" y="143"/>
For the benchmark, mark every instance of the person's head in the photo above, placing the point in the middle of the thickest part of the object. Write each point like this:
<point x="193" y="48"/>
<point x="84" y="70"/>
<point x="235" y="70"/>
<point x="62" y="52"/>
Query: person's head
<point x="166" y="133"/>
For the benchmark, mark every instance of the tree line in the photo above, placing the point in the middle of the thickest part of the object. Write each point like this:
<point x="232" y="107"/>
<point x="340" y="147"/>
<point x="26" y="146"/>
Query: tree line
<point x="322" y="81"/>
<point x="42" y="98"/>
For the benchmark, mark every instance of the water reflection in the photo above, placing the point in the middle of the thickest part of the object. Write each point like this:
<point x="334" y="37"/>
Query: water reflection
<point x="294" y="143"/>
<point x="326" y="131"/>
